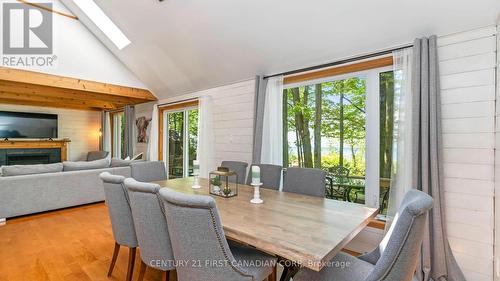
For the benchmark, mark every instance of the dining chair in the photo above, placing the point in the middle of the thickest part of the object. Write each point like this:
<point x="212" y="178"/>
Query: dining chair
<point x="148" y="171"/>
<point x="240" y="168"/>
<point x="196" y="234"/>
<point x="305" y="181"/>
<point x="339" y="178"/>
<point x="397" y="255"/>
<point x="117" y="200"/>
<point x="151" y="227"/>
<point x="270" y="175"/>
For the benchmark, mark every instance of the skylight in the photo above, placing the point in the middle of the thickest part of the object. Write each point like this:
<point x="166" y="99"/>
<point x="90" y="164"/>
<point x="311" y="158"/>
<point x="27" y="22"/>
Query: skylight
<point x="104" y="23"/>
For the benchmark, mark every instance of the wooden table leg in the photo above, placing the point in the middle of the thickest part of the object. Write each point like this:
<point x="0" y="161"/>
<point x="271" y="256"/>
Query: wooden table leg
<point x="274" y="274"/>
<point x="288" y="272"/>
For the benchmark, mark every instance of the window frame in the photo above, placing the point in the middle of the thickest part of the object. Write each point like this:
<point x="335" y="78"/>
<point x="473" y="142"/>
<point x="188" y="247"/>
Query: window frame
<point x="372" y="144"/>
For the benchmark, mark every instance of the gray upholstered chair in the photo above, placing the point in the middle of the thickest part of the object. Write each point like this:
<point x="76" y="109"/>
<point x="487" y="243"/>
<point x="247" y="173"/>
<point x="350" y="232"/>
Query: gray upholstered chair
<point x="270" y="175"/>
<point x="397" y="255"/>
<point x="151" y="227"/>
<point x="196" y="234"/>
<point x="148" y="171"/>
<point x="121" y="219"/>
<point x="97" y="155"/>
<point x="305" y="181"/>
<point x="239" y="167"/>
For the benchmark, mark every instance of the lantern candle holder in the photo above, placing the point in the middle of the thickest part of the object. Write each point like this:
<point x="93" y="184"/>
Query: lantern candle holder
<point x="220" y="184"/>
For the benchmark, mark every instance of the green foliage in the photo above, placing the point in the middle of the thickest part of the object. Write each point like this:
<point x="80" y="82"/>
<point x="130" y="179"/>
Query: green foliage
<point x="341" y="101"/>
<point x="216" y="181"/>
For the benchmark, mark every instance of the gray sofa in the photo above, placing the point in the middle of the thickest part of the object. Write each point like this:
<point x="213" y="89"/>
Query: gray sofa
<point x="33" y="193"/>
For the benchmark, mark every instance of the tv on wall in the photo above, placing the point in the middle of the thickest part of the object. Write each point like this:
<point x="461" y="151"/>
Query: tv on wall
<point x="19" y="125"/>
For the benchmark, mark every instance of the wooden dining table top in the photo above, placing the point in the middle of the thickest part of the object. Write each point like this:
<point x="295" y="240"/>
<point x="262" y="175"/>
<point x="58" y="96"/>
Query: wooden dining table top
<point x="303" y="229"/>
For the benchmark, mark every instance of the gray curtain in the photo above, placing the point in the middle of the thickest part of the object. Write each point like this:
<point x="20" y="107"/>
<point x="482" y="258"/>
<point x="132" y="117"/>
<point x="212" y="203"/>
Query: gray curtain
<point x="260" y="99"/>
<point x="129" y="131"/>
<point x="103" y="130"/>
<point x="437" y="260"/>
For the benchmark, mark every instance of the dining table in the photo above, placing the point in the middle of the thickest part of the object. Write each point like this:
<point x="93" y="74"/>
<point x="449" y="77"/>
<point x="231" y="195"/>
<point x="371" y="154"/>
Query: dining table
<point x="301" y="230"/>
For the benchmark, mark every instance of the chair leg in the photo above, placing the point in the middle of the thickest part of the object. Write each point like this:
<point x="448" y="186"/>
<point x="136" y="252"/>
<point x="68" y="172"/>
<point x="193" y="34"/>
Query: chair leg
<point x="142" y="271"/>
<point x="113" y="260"/>
<point x="131" y="262"/>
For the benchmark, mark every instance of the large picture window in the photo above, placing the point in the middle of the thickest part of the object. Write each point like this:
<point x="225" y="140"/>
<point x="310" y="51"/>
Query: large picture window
<point x="344" y="125"/>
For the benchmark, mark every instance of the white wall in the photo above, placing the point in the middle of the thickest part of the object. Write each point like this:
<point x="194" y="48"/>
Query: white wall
<point x="497" y="166"/>
<point x="81" y="55"/>
<point x="81" y="127"/>
<point x="233" y="110"/>
<point x="467" y="73"/>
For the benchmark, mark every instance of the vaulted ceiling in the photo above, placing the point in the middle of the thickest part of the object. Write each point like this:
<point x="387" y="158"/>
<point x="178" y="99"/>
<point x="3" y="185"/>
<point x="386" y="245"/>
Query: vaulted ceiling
<point x="180" y="46"/>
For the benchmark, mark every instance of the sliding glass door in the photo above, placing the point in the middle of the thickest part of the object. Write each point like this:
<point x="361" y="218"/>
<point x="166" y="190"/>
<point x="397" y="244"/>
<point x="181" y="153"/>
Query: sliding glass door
<point x="180" y="141"/>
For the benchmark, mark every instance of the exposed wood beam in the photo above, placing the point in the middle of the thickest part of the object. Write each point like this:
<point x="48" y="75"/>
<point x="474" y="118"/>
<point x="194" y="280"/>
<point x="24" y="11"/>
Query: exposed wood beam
<point x="63" y="101"/>
<point x="46" y="104"/>
<point x="42" y="79"/>
<point x="15" y="87"/>
<point x="42" y="7"/>
<point x="338" y="70"/>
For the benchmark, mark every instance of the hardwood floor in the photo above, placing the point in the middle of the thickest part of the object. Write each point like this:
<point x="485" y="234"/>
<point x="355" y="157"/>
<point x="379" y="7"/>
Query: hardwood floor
<point x="70" y="244"/>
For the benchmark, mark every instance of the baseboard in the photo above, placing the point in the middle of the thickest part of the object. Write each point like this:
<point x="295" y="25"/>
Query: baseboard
<point x="3" y="221"/>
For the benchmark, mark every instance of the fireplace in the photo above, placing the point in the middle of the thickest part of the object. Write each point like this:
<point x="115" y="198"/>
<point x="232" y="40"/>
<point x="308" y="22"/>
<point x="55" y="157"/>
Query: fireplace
<point x="28" y="159"/>
<point x="29" y="156"/>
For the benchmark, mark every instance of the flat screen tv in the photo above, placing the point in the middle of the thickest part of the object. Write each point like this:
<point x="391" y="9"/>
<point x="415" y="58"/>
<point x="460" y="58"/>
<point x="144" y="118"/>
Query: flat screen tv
<point x="23" y="125"/>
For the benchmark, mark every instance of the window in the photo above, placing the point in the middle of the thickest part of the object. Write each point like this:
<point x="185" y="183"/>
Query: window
<point x="179" y="137"/>
<point x="118" y="134"/>
<point x="343" y="124"/>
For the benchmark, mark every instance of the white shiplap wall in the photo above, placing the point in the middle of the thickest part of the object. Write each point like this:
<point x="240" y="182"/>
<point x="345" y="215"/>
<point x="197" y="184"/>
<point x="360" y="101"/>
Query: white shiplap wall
<point x="467" y="62"/>
<point x="467" y="71"/>
<point x="81" y="127"/>
<point x="497" y="166"/>
<point x="233" y="110"/>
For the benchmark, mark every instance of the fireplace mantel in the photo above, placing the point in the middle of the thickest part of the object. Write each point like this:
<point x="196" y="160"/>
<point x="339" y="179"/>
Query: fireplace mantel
<point x="61" y="144"/>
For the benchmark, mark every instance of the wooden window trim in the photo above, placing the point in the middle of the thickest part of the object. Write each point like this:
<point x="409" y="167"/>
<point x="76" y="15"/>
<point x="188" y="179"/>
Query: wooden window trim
<point x="339" y="70"/>
<point x="161" y="111"/>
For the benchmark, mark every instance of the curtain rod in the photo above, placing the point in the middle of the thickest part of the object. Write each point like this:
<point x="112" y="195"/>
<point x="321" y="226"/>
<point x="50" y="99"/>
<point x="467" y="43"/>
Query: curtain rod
<point x="344" y="61"/>
<point x="176" y="102"/>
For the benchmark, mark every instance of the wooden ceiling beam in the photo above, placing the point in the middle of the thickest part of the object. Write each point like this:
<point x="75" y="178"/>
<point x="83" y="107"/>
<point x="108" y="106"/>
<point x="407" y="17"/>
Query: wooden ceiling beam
<point x="45" y="91"/>
<point x="91" y="104"/>
<point x="45" y="104"/>
<point x="42" y="79"/>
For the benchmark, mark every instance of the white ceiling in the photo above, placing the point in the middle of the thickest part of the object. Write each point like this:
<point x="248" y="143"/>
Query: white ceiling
<point x="181" y="46"/>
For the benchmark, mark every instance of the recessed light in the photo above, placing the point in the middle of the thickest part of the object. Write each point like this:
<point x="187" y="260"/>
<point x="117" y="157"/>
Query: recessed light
<point x="105" y="24"/>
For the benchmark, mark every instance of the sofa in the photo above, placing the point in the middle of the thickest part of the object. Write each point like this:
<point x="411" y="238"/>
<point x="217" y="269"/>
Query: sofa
<point x="30" y="189"/>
